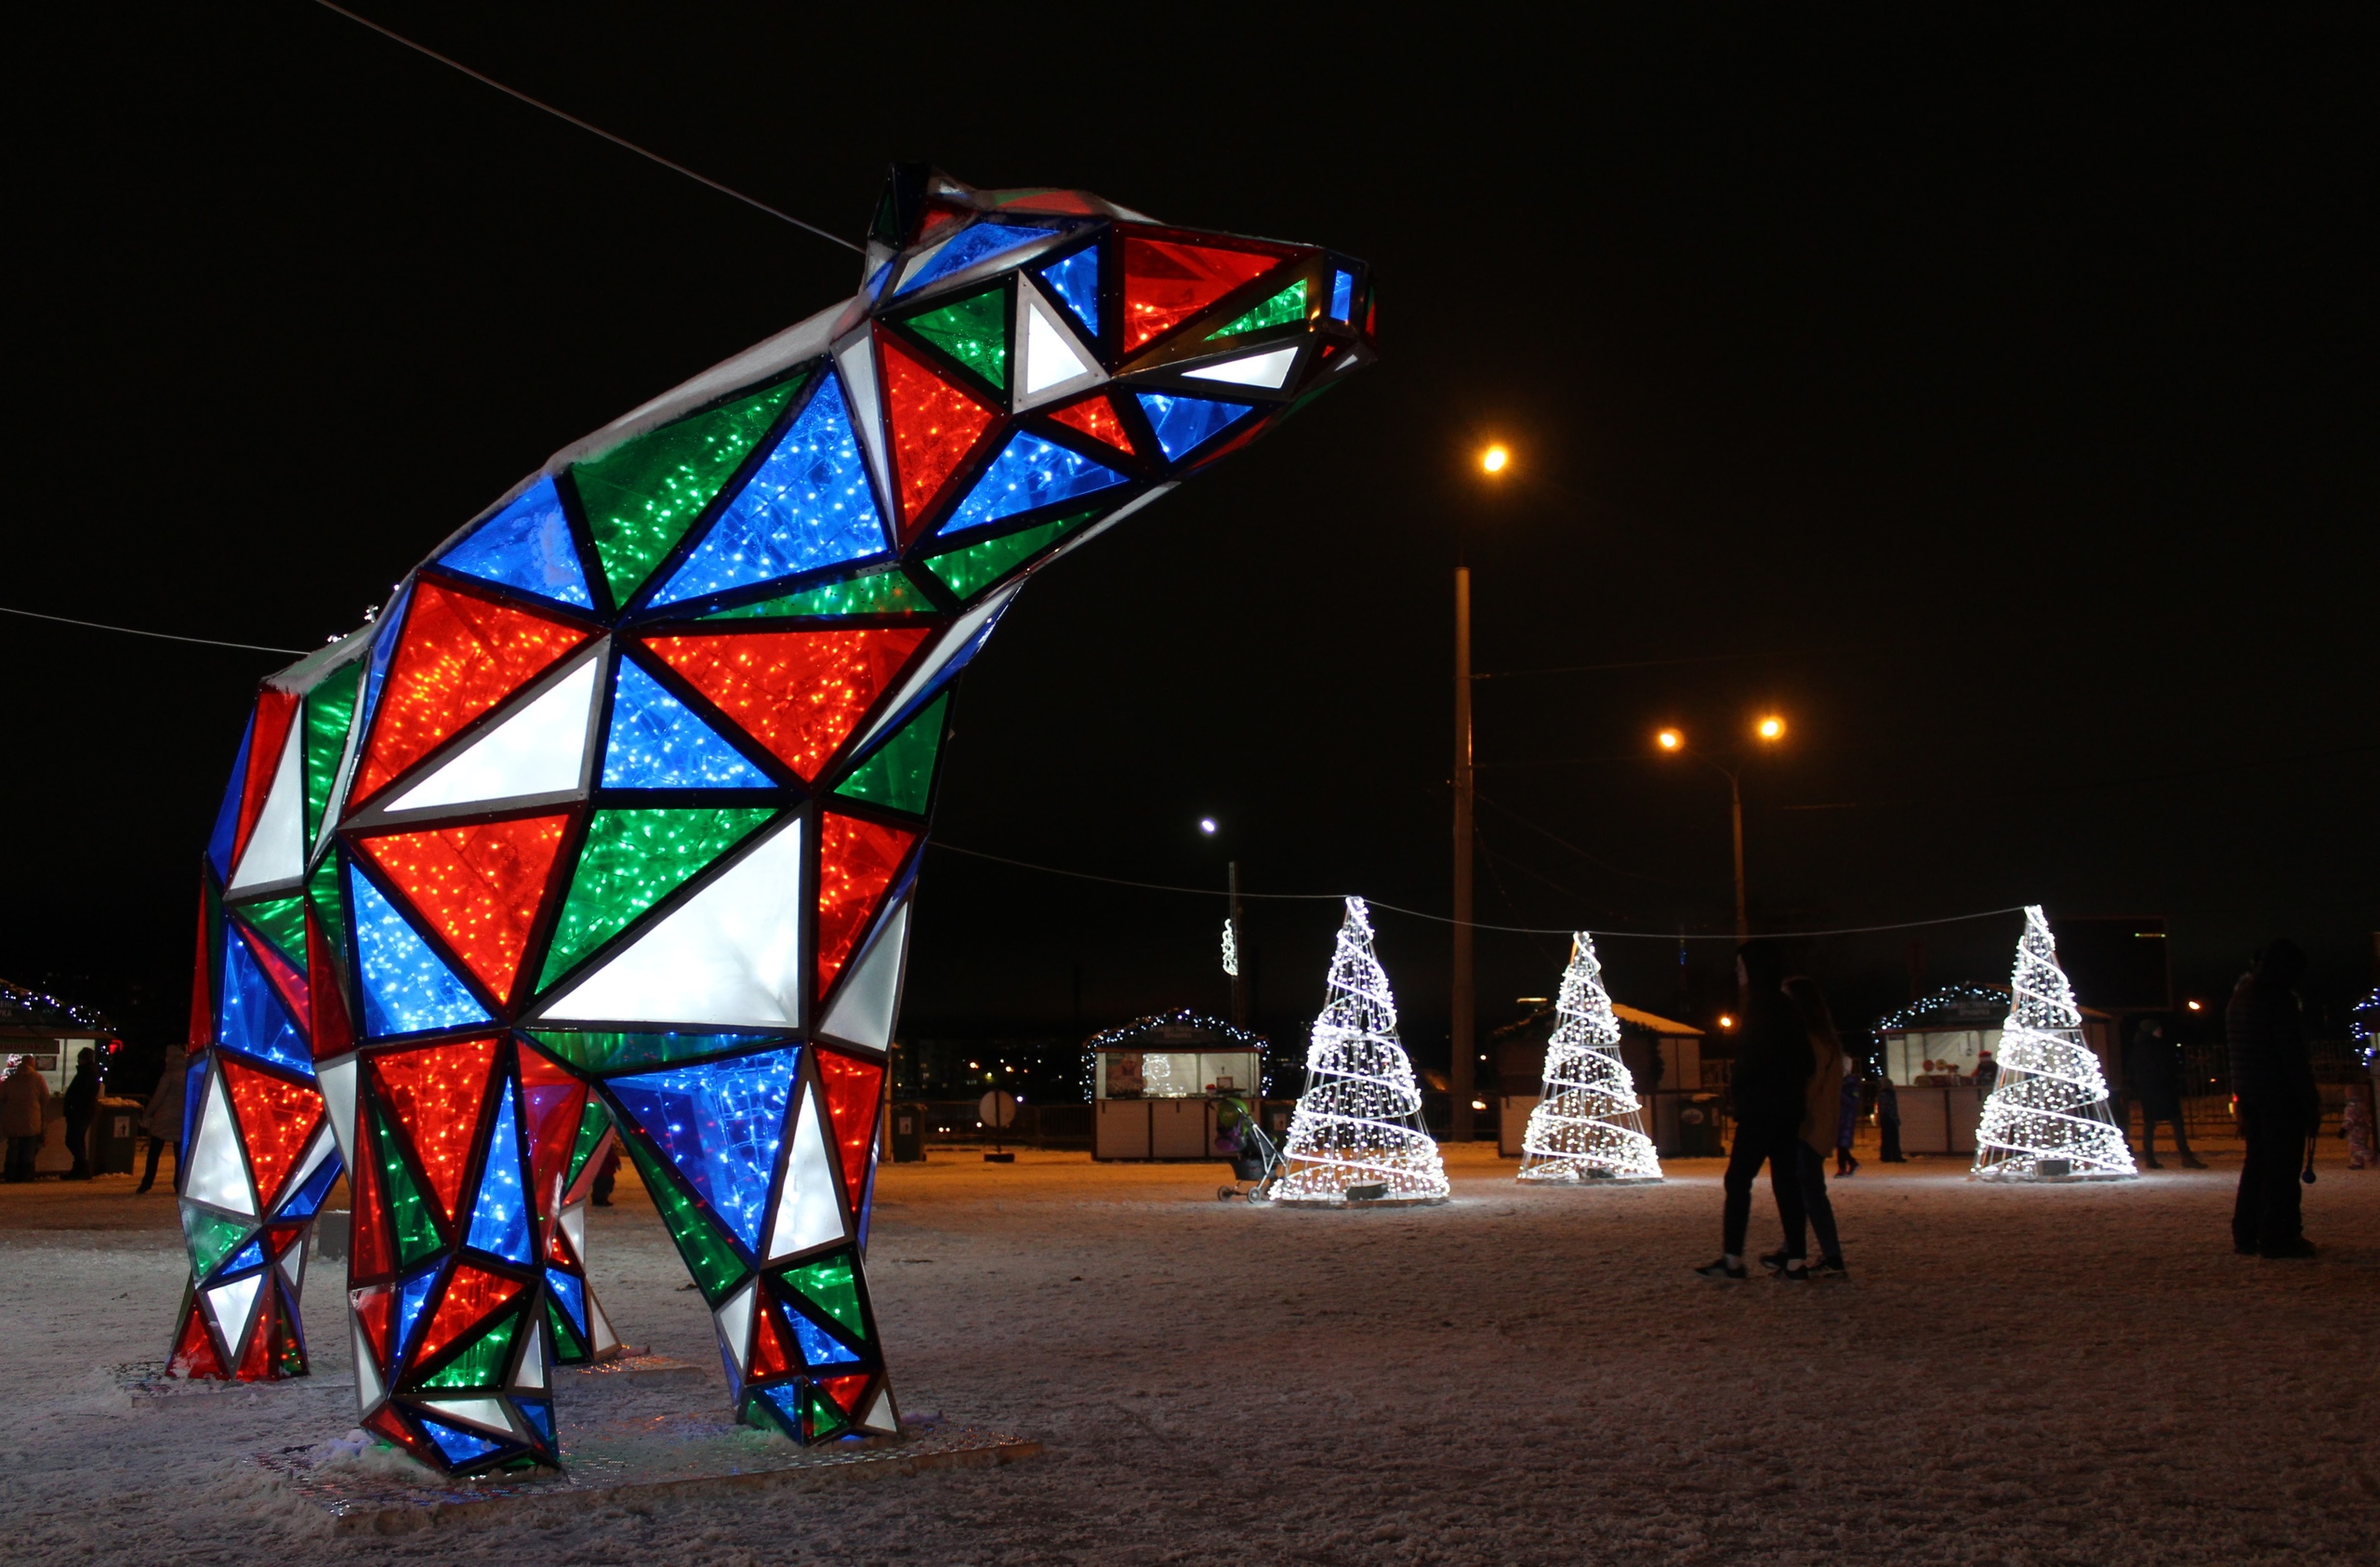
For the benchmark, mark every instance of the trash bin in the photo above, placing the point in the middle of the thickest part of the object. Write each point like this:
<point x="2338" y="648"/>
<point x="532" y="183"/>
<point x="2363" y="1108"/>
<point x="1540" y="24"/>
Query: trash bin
<point x="908" y="1134"/>
<point x="115" y="1132"/>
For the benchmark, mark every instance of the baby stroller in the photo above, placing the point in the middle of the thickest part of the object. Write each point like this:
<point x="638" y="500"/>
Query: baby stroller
<point x="1255" y="1158"/>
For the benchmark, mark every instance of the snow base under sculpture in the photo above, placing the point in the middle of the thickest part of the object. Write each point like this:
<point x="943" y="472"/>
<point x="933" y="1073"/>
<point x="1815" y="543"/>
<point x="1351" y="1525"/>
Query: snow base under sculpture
<point x="1357" y="1135"/>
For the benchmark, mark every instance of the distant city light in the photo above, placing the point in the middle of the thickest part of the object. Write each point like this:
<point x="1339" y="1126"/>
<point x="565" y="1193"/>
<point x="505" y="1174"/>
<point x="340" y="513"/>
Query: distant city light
<point x="1207" y="826"/>
<point x="1726" y="1021"/>
<point x="1772" y="728"/>
<point x="1668" y="740"/>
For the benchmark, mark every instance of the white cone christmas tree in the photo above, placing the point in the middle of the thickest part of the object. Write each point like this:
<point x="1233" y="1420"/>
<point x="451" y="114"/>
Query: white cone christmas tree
<point x="1358" y="1124"/>
<point x="1587" y="1127"/>
<point x="2047" y="1118"/>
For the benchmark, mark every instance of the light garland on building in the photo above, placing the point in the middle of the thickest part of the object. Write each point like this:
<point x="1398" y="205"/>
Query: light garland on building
<point x="2047" y="1118"/>
<point x="1231" y="949"/>
<point x="1358" y="1124"/>
<point x="1588" y="1125"/>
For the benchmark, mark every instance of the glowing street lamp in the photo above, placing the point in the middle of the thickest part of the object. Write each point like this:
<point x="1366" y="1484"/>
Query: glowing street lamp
<point x="1494" y="460"/>
<point x="1769" y="728"/>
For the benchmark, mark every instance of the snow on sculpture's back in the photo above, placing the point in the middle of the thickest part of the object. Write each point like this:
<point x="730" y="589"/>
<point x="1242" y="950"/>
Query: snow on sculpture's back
<point x="607" y="827"/>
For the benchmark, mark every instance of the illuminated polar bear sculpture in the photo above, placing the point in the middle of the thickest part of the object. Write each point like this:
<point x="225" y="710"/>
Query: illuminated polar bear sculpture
<point x="608" y="825"/>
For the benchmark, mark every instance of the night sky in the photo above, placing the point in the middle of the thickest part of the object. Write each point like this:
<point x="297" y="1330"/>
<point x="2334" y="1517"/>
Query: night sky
<point x="1996" y="403"/>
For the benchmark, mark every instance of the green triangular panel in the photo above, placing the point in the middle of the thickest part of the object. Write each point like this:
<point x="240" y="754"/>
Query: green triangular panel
<point x="283" y="920"/>
<point x="328" y="707"/>
<point x="568" y="1350"/>
<point x="973" y="331"/>
<point x="965" y="571"/>
<point x="710" y="1257"/>
<point x="642" y="495"/>
<point x="417" y="1231"/>
<point x="593" y="1122"/>
<point x="827" y="1284"/>
<point x="877" y="593"/>
<point x="824" y="1419"/>
<point x="1279" y="311"/>
<point x="211" y="1238"/>
<point x="598" y="1051"/>
<point x="899" y="775"/>
<point x="632" y="861"/>
<point x="482" y="1365"/>
<point x="323" y="891"/>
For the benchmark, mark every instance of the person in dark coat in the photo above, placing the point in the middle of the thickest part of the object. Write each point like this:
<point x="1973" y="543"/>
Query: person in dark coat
<point x="2152" y="1076"/>
<point x="162" y="1120"/>
<point x="1830" y="1107"/>
<point x="1772" y="1068"/>
<point x="2279" y="1106"/>
<point x="82" y="1106"/>
<point x="1888" y="1122"/>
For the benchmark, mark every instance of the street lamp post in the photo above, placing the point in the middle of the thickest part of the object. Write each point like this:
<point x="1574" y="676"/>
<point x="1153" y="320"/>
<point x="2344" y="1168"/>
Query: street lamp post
<point x="1769" y="730"/>
<point x="1461" y="1079"/>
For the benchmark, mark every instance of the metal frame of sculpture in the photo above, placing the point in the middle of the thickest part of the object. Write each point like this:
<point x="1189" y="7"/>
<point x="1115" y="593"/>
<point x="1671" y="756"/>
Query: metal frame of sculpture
<point x="608" y="824"/>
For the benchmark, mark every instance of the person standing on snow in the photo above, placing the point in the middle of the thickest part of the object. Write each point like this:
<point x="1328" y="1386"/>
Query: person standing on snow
<point x="82" y="1107"/>
<point x="1823" y="1101"/>
<point x="2279" y="1106"/>
<point x="162" y="1120"/>
<point x="2152" y="1072"/>
<point x="1772" y="1067"/>
<point x="24" y="1116"/>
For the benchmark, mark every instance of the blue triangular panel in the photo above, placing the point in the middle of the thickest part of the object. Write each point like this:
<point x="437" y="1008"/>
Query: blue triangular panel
<point x="540" y="1416"/>
<point x="818" y="1349"/>
<point x="566" y="1289"/>
<point x="309" y="1197"/>
<point x="252" y="1020"/>
<point x="249" y="1255"/>
<point x="1183" y="424"/>
<point x="406" y="987"/>
<point x="978" y="244"/>
<point x="657" y="742"/>
<point x="527" y="546"/>
<point x="461" y="1446"/>
<point x="1030" y="472"/>
<point x="808" y="506"/>
<point x="227" y="816"/>
<point x="500" y="1218"/>
<point x="721" y="1124"/>
<point x="785" y="1399"/>
<point x="412" y="1296"/>
<point x="1076" y="281"/>
<point x="1343" y="295"/>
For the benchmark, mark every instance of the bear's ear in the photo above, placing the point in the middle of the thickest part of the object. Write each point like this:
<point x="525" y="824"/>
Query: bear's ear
<point x="903" y="203"/>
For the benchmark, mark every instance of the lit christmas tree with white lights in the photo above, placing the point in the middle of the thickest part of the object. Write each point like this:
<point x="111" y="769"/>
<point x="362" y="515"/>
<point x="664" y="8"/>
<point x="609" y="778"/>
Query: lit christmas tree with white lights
<point x="2047" y="1118"/>
<point x="1358" y="1125"/>
<point x="1588" y="1127"/>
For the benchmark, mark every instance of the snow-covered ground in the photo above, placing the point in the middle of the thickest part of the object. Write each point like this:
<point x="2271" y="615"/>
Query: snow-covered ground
<point x="2079" y="1374"/>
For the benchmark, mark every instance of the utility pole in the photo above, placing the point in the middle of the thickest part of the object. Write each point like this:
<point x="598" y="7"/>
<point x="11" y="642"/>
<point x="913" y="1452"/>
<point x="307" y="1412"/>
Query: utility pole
<point x="1239" y="944"/>
<point x="1459" y="1079"/>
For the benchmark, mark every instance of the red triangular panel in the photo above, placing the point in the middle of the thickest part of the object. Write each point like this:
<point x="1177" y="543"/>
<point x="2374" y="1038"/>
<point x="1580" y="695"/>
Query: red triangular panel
<point x="856" y="862"/>
<point x="1095" y="417"/>
<point x="479" y="886"/>
<point x="770" y="1354"/>
<point x="377" y="1312"/>
<point x="554" y="1101"/>
<point x="384" y="1420"/>
<point x="934" y="426"/>
<point x="287" y="982"/>
<point x="333" y="1034"/>
<point x="374" y="1256"/>
<point x="274" y="710"/>
<point x="255" y="1365"/>
<point x="458" y="656"/>
<point x="276" y="1119"/>
<point x="194" y="1351"/>
<point x="845" y="1390"/>
<point x="470" y="1295"/>
<point x="851" y="1087"/>
<point x="801" y="694"/>
<point x="1166" y="283"/>
<point x="435" y="1092"/>
<point x="202" y="984"/>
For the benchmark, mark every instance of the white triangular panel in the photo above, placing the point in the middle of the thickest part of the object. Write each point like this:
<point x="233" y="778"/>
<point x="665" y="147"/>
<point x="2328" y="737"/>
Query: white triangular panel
<point x="881" y="1417"/>
<point x="955" y="641"/>
<point x="368" y="1390"/>
<point x="735" y="1327"/>
<point x="488" y="1414"/>
<point x="217" y="1175"/>
<point x="533" y="1357"/>
<point x="573" y="1232"/>
<point x="863" y="1011"/>
<point x="276" y="850"/>
<point x="337" y="1081"/>
<point x="293" y="1266"/>
<point x="318" y="1149"/>
<point x="808" y="1213"/>
<point x="1050" y="364"/>
<point x="858" y="363"/>
<point x="1267" y="370"/>
<point x="231" y="1304"/>
<point x="731" y="955"/>
<point x="540" y="749"/>
<point x="601" y="1339"/>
